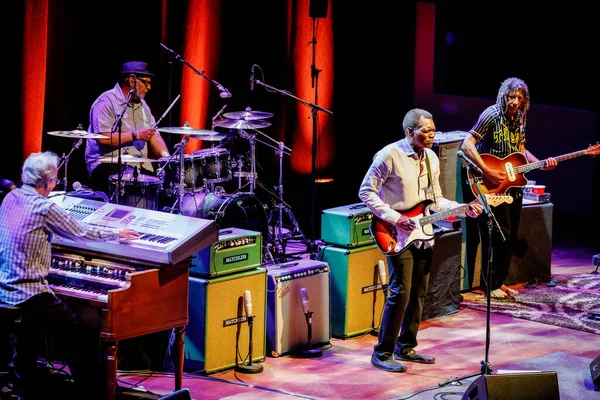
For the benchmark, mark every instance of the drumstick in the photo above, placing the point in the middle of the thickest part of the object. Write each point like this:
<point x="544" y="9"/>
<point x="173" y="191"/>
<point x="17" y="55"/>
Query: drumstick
<point x="167" y="111"/>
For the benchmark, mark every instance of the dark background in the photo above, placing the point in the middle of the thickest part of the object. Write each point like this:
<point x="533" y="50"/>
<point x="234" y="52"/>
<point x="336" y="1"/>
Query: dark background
<point x="551" y="47"/>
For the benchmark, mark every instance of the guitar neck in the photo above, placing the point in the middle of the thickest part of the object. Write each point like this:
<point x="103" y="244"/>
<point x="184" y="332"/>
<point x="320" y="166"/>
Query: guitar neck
<point x="540" y="164"/>
<point x="430" y="219"/>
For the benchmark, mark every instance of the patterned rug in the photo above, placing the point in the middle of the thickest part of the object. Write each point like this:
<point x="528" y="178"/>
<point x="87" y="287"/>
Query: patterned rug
<point x="568" y="304"/>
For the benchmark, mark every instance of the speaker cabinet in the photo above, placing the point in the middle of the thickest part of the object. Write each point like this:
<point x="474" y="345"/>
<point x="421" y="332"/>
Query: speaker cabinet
<point x="527" y="386"/>
<point x="443" y="293"/>
<point x="357" y="297"/>
<point x="595" y="371"/>
<point x="218" y="328"/>
<point x="181" y="394"/>
<point x="446" y="146"/>
<point x="287" y="327"/>
<point x="532" y="256"/>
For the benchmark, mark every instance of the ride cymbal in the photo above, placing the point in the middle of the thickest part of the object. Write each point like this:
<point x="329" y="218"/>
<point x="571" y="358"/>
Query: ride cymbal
<point x="241" y="124"/>
<point x="248" y="115"/>
<point x="77" y="134"/>
<point x="202" y="134"/>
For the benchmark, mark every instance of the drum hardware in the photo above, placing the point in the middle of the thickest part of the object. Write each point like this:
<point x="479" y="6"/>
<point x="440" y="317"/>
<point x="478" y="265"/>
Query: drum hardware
<point x="135" y="190"/>
<point x="79" y="134"/>
<point x="180" y="152"/>
<point x="127" y="159"/>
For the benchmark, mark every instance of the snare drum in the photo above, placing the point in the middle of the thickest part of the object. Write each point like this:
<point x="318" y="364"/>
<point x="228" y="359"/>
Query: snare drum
<point x="170" y="173"/>
<point x="243" y="211"/>
<point x="141" y="191"/>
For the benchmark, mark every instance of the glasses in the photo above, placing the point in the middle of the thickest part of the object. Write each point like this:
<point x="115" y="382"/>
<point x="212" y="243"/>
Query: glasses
<point x="145" y="82"/>
<point x="56" y="181"/>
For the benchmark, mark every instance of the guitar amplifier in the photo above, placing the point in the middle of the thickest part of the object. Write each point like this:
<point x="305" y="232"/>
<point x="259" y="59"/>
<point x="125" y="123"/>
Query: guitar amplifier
<point x="236" y="250"/>
<point x="287" y="328"/>
<point x="357" y="296"/>
<point x="347" y="226"/>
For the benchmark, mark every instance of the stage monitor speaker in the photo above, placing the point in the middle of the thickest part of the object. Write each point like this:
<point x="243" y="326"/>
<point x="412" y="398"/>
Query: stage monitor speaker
<point x="181" y="394"/>
<point x="217" y="334"/>
<point x="318" y="9"/>
<point x="522" y="386"/>
<point x="595" y="371"/>
<point x="357" y="297"/>
<point x="287" y="328"/>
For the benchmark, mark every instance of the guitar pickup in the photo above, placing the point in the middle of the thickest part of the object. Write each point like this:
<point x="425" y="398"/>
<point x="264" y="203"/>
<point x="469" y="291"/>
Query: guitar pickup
<point x="510" y="172"/>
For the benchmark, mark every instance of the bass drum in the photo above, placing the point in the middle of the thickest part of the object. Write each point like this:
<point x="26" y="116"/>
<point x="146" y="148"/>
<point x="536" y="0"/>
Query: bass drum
<point x="243" y="211"/>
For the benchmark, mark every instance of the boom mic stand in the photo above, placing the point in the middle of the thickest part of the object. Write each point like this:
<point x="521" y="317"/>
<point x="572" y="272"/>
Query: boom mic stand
<point x="117" y="127"/>
<point x="486" y="367"/>
<point x="314" y="109"/>
<point x="65" y="160"/>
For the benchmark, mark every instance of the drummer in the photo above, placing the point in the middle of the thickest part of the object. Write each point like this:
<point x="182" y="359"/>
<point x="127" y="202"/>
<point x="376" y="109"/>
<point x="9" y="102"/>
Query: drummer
<point x="137" y="127"/>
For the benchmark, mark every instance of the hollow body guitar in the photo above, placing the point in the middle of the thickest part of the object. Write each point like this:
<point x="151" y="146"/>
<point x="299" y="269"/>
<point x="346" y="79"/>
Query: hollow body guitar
<point x="393" y="240"/>
<point x="515" y="165"/>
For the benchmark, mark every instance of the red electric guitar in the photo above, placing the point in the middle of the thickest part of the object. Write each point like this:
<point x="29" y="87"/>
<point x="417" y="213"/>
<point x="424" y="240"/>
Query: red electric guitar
<point x="516" y="165"/>
<point x="393" y="240"/>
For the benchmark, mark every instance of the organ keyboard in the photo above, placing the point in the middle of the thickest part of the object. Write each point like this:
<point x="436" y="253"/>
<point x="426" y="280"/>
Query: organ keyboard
<point x="140" y="287"/>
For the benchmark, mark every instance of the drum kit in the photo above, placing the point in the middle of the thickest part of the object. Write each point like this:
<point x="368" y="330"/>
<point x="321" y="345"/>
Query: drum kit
<point x="192" y="184"/>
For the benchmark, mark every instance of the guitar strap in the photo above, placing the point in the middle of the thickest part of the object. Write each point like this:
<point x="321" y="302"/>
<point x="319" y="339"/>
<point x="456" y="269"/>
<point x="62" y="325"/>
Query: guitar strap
<point x="429" y="176"/>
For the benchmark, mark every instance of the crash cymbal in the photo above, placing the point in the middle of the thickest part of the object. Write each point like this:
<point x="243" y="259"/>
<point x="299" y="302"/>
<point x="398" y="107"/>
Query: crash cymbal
<point x="241" y="124"/>
<point x="248" y="115"/>
<point x="77" y="134"/>
<point x="126" y="159"/>
<point x="202" y="134"/>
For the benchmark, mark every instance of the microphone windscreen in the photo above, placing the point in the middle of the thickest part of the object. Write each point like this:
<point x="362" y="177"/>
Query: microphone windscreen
<point x="77" y="185"/>
<point x="247" y="303"/>
<point x="304" y="300"/>
<point x="382" y="272"/>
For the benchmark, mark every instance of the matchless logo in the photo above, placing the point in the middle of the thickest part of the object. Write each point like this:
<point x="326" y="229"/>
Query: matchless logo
<point x="372" y="288"/>
<point x="366" y="232"/>
<point x="236" y="258"/>
<point x="234" y="321"/>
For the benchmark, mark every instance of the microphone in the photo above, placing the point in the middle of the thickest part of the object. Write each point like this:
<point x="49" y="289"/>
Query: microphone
<point x="304" y="300"/>
<point x="78" y="187"/>
<point x="382" y="272"/>
<point x="78" y="143"/>
<point x="252" y="79"/>
<point x="469" y="162"/>
<point x="247" y="303"/>
<point x="225" y="94"/>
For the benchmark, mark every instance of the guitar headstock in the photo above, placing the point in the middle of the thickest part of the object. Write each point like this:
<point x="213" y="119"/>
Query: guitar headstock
<point x="497" y="199"/>
<point x="593" y="150"/>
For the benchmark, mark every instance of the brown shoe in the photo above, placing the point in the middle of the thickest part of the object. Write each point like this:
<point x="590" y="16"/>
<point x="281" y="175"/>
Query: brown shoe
<point x="412" y="356"/>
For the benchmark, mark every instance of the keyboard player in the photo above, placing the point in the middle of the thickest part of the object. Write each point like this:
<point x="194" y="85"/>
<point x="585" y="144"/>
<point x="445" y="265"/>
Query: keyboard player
<point x="28" y="220"/>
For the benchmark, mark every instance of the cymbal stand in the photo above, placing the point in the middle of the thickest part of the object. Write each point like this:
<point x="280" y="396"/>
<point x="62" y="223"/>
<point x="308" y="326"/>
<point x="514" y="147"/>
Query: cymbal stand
<point x="179" y="152"/>
<point x="65" y="161"/>
<point x="251" y="137"/>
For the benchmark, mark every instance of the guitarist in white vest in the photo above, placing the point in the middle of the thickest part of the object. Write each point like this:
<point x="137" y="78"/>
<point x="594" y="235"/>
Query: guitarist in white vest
<point x="403" y="175"/>
<point x="499" y="133"/>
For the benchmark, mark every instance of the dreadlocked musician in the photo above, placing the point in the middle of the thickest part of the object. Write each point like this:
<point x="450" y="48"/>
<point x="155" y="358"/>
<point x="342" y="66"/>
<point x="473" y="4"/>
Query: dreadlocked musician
<point x="500" y="132"/>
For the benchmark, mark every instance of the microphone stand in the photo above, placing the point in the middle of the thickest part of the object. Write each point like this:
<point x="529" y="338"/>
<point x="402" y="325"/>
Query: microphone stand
<point x="486" y="367"/>
<point x="249" y="368"/>
<point x="314" y="109"/>
<point x="65" y="161"/>
<point x="224" y="92"/>
<point x="309" y="352"/>
<point x="117" y="126"/>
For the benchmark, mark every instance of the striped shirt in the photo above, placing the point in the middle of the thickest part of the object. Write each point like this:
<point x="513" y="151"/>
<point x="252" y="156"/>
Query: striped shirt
<point x="27" y="222"/>
<point x="496" y="135"/>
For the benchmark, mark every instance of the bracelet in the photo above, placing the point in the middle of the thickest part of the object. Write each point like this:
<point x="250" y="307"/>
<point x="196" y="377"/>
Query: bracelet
<point x="134" y="135"/>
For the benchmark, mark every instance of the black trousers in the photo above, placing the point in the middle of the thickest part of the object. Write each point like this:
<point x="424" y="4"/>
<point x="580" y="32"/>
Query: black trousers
<point x="408" y="280"/>
<point x="77" y="328"/>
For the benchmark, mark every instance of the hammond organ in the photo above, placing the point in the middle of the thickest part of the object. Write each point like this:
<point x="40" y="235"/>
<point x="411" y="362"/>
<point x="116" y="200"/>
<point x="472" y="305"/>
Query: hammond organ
<point x="140" y="286"/>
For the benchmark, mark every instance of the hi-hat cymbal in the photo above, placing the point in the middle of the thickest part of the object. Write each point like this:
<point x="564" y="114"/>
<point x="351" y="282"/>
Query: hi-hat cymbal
<point x="248" y="115"/>
<point x="202" y="134"/>
<point x="77" y="134"/>
<point x="241" y="124"/>
<point x="126" y="159"/>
